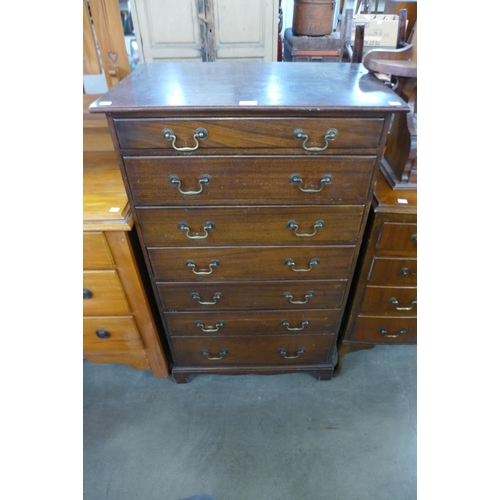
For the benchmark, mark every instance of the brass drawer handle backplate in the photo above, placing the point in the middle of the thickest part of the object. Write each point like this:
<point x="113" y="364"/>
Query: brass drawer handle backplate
<point x="394" y="301"/>
<point x="175" y="180"/>
<point x="289" y="296"/>
<point x="300" y="135"/>
<point x="312" y="262"/>
<point x="222" y="353"/>
<point x="169" y="135"/>
<point x="291" y="224"/>
<point x="192" y="265"/>
<point x="209" y="329"/>
<point x="297" y="179"/>
<point x="207" y="227"/>
<point x="383" y="331"/>
<point x="286" y="324"/>
<point x="283" y="354"/>
<point x="216" y="297"/>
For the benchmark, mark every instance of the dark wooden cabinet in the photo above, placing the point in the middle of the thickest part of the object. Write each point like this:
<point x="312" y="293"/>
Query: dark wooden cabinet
<point x="383" y="305"/>
<point x="250" y="184"/>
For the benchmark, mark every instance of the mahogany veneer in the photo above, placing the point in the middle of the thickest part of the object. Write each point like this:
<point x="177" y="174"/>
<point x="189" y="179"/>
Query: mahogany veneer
<point x="383" y="305"/>
<point x="250" y="184"/>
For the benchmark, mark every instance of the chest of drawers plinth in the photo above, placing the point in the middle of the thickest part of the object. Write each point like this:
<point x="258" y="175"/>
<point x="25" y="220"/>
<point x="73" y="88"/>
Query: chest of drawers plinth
<point x="250" y="186"/>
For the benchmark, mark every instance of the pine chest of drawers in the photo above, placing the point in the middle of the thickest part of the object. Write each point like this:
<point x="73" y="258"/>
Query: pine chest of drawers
<point x="250" y="186"/>
<point x="118" y="321"/>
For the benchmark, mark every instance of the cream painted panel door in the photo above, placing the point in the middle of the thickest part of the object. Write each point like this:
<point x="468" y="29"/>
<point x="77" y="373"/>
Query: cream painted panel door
<point x="169" y="30"/>
<point x="245" y="30"/>
<point x="206" y="30"/>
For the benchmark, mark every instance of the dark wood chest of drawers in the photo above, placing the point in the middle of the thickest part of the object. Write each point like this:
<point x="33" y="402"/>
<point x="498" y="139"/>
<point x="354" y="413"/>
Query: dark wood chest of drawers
<point x="383" y="304"/>
<point x="250" y="184"/>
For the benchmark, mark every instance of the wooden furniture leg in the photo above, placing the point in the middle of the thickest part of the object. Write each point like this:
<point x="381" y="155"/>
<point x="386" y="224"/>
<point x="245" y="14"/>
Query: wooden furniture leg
<point x="346" y="349"/>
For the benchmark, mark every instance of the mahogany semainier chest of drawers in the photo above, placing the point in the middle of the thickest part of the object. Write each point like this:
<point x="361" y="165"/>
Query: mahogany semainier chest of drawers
<point x="250" y="184"/>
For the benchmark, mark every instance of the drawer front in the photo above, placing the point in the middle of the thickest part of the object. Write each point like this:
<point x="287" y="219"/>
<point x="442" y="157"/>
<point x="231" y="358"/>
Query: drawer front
<point x="253" y="350"/>
<point x="110" y="333"/>
<point x="255" y="180"/>
<point x="398" y="237"/>
<point x="385" y="329"/>
<point x="249" y="133"/>
<point x="251" y="263"/>
<point x="196" y="324"/>
<point x="392" y="271"/>
<point x="136" y="358"/>
<point x="390" y="301"/>
<point x="259" y="295"/>
<point x="96" y="252"/>
<point x="108" y="297"/>
<point x="208" y="226"/>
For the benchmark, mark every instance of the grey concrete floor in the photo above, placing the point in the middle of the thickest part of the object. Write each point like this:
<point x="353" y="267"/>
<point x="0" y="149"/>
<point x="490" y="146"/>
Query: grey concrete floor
<point x="250" y="437"/>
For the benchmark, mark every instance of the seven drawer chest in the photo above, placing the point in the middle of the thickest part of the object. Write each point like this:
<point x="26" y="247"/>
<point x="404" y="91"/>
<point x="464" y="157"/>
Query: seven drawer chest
<point x="250" y="184"/>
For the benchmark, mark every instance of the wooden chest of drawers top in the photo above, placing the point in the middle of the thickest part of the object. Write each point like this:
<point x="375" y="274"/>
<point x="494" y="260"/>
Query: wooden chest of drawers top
<point x="393" y="201"/>
<point x="105" y="203"/>
<point x="249" y="89"/>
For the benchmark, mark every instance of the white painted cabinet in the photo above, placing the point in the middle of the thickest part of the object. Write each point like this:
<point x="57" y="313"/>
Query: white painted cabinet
<point x="206" y="30"/>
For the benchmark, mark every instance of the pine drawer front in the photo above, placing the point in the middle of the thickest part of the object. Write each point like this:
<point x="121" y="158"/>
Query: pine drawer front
<point x="249" y="180"/>
<point x="393" y="271"/>
<point x="249" y="133"/>
<point x="208" y="226"/>
<point x="397" y="237"/>
<point x="107" y="297"/>
<point x="137" y="358"/>
<point x="253" y="350"/>
<point x="393" y="301"/>
<point x="111" y="333"/>
<point x="251" y="263"/>
<point x="96" y="252"/>
<point x="231" y="323"/>
<point x="385" y="329"/>
<point x="259" y="295"/>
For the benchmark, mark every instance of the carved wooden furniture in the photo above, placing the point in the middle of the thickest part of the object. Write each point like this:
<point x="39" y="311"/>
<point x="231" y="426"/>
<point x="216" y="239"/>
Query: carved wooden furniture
<point x="383" y="304"/>
<point x="103" y="33"/>
<point x="399" y="163"/>
<point x="118" y="323"/>
<point x="250" y="184"/>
